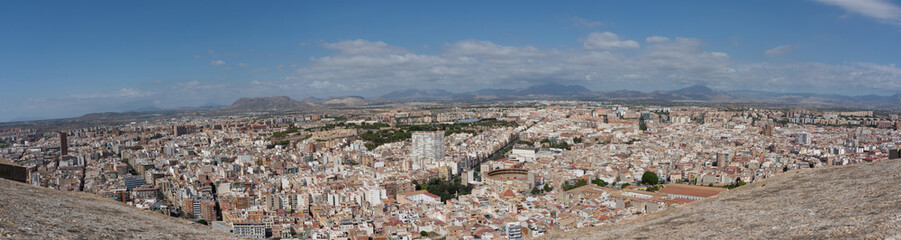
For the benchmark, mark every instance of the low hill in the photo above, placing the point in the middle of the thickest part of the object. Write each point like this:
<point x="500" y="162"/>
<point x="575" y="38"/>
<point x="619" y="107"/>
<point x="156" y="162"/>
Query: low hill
<point x="268" y="104"/>
<point x="553" y="89"/>
<point x="29" y="212"/>
<point x="345" y="101"/>
<point x="411" y="93"/>
<point x="848" y="202"/>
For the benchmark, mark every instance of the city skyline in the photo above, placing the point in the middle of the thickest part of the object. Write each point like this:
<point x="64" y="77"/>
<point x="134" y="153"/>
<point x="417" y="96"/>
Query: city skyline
<point x="417" y="120"/>
<point x="69" y="59"/>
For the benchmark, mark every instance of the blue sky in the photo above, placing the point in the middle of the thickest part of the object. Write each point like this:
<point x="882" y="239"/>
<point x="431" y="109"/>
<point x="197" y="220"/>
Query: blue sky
<point x="68" y="58"/>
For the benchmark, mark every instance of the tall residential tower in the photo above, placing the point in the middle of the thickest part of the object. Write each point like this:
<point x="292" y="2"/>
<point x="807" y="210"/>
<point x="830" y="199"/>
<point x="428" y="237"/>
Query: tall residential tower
<point x="428" y="147"/>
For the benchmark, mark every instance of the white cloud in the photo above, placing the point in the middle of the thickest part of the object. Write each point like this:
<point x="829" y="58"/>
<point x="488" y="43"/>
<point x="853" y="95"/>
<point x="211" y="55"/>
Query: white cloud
<point x="360" y="47"/>
<point x="607" y="41"/>
<point x="879" y="9"/>
<point x="474" y="47"/>
<point x="370" y="68"/>
<point x="656" y="39"/>
<point x="217" y="62"/>
<point x="121" y="93"/>
<point x="242" y="65"/>
<point x="581" y="22"/>
<point x="781" y="50"/>
<point x="473" y="64"/>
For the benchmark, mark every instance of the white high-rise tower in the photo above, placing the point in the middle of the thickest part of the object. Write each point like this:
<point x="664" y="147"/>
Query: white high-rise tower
<point x="428" y="147"/>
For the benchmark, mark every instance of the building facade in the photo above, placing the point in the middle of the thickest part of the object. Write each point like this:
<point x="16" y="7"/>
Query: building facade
<point x="428" y="147"/>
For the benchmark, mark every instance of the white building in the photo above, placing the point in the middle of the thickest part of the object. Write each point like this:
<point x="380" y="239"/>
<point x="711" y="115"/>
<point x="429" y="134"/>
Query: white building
<point x="803" y="138"/>
<point x="422" y="196"/>
<point x="524" y="154"/>
<point x="428" y="147"/>
<point x="241" y="229"/>
<point x="514" y="230"/>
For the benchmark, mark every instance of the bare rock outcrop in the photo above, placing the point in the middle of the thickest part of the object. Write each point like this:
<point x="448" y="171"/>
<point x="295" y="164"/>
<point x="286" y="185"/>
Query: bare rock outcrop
<point x="29" y="212"/>
<point x="847" y="202"/>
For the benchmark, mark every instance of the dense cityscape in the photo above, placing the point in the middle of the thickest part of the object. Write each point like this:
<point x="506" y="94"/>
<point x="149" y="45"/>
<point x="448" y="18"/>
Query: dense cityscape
<point x="450" y="120"/>
<point x="494" y="171"/>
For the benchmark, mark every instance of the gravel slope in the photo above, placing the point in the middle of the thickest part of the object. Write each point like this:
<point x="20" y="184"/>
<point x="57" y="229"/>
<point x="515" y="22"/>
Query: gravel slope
<point x="848" y="202"/>
<point x="28" y="212"/>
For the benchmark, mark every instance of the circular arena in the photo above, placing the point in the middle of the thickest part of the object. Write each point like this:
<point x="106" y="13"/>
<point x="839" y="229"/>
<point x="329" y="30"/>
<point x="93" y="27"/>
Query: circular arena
<point x="508" y="174"/>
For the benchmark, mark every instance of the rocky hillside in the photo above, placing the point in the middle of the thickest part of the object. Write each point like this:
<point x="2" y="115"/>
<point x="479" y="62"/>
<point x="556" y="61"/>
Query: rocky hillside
<point x="28" y="212"/>
<point x="848" y="202"/>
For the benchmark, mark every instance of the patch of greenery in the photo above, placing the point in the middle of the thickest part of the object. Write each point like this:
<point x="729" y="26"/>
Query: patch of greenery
<point x="452" y="131"/>
<point x="445" y="189"/>
<point x="649" y="178"/>
<point x="579" y="182"/>
<point x="283" y="134"/>
<point x="366" y="125"/>
<point x="540" y="191"/>
<point x="737" y="183"/>
<point x="599" y="182"/>
<point x="555" y="144"/>
<point x="378" y="138"/>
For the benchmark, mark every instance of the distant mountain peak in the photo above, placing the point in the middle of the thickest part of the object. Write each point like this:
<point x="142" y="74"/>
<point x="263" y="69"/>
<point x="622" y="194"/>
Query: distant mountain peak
<point x="698" y="92"/>
<point x="553" y="89"/>
<point x="268" y="103"/>
<point x="412" y="93"/>
<point x="697" y="88"/>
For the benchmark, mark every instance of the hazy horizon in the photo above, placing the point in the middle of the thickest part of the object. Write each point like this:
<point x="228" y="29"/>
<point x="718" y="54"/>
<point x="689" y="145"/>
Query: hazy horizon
<point x="65" y="59"/>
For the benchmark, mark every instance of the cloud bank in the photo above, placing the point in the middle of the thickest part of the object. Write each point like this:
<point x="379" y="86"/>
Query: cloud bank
<point x="881" y="10"/>
<point x="605" y="61"/>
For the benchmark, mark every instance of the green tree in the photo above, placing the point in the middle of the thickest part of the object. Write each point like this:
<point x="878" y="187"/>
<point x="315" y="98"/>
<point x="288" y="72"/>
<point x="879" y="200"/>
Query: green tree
<point x="445" y="189"/>
<point x="599" y="182"/>
<point x="201" y="221"/>
<point x="548" y="188"/>
<point x="738" y="183"/>
<point x="579" y="182"/>
<point x="649" y="178"/>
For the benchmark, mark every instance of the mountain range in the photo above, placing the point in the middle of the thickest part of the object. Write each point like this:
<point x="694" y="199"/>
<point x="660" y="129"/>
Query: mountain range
<point x="695" y="93"/>
<point x="284" y="103"/>
<point x="550" y="90"/>
<point x="553" y="91"/>
<point x="698" y="94"/>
